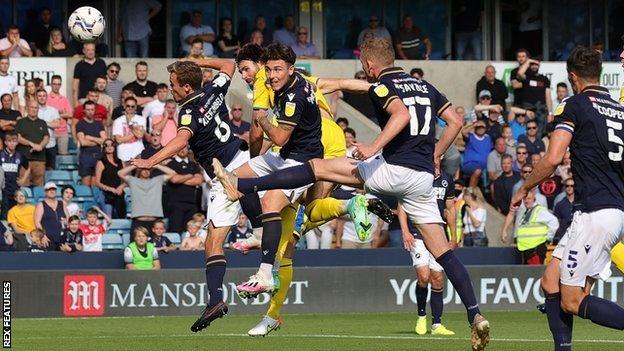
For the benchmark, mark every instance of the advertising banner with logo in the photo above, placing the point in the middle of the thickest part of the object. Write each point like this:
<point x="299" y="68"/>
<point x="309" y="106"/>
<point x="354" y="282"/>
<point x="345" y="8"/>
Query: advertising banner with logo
<point x="313" y="290"/>
<point x="612" y="76"/>
<point x="25" y="68"/>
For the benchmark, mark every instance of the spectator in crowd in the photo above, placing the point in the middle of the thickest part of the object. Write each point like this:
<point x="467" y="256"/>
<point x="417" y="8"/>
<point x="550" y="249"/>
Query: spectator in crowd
<point x="200" y="217"/>
<point x="133" y="28"/>
<point x="21" y="219"/>
<point x="39" y="241"/>
<point x="100" y="115"/>
<point x="227" y="41"/>
<point x="451" y="162"/>
<point x="286" y="34"/>
<point x="166" y="123"/>
<point x="126" y="92"/>
<point x="109" y="182"/>
<point x="8" y="116"/>
<point x="128" y="131"/>
<point x="517" y="120"/>
<point x="494" y="124"/>
<point x="484" y="107"/>
<point x="564" y="209"/>
<point x="192" y="241"/>
<point x="533" y="143"/>
<point x="510" y="143"/>
<point x="67" y="194"/>
<point x="146" y="193"/>
<point x="71" y="237"/>
<point x="564" y="170"/>
<point x="240" y="231"/>
<point x="39" y="32"/>
<point x="64" y="108"/>
<point x="103" y="98"/>
<point x="494" y="166"/>
<point x="526" y="170"/>
<point x="536" y="91"/>
<point x="86" y="72"/>
<point x="375" y="30"/>
<point x="91" y="135"/>
<point x="303" y="48"/>
<point x="521" y="158"/>
<point x="496" y="87"/>
<point x="6" y="239"/>
<point x="478" y="146"/>
<point x="522" y="56"/>
<point x="56" y="46"/>
<point x="260" y="34"/>
<point x="114" y="85"/>
<point x="182" y="190"/>
<point x="93" y="230"/>
<point x="50" y="214"/>
<point x="416" y="72"/>
<point x="160" y="241"/>
<point x="8" y="83"/>
<point x="14" y="46"/>
<point x="502" y="189"/>
<point x="350" y="139"/>
<point x="562" y="93"/>
<point x="196" y="30"/>
<point x="152" y="148"/>
<point x="52" y="118"/>
<point x="409" y="41"/>
<point x="157" y="106"/>
<point x="144" y="90"/>
<point x="15" y="168"/>
<point x="239" y="127"/>
<point x="207" y="76"/>
<point x="30" y="93"/>
<point x="534" y="227"/>
<point x="467" y="26"/>
<point x="140" y="253"/>
<point x="342" y="122"/>
<point x="33" y="137"/>
<point x="197" y="50"/>
<point x="475" y="217"/>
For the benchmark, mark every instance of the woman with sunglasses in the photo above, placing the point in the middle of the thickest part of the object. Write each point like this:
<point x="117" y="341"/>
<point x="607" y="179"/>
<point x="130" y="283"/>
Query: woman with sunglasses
<point x="106" y="178"/>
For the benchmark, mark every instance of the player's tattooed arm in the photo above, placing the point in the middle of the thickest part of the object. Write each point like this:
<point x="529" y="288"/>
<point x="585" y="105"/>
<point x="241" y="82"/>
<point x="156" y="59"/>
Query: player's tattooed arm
<point x="279" y="135"/>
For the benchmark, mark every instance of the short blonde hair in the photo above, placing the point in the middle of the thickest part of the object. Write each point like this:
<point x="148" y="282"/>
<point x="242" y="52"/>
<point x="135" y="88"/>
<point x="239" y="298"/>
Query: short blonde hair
<point x="378" y="50"/>
<point x="193" y="223"/>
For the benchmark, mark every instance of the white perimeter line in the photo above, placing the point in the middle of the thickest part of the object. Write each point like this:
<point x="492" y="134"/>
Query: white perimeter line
<point x="318" y="336"/>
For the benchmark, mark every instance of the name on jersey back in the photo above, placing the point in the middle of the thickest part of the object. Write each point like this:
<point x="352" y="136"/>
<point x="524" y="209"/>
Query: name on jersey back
<point x="406" y="85"/>
<point x="213" y="104"/>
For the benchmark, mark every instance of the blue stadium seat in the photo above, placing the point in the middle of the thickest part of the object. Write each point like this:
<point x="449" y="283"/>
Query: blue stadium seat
<point x="125" y="237"/>
<point x="120" y="226"/>
<point x="75" y="177"/>
<point x="83" y="193"/>
<point x="67" y="162"/>
<point x="112" y="242"/>
<point x="174" y="237"/>
<point x="59" y="177"/>
<point x="38" y="193"/>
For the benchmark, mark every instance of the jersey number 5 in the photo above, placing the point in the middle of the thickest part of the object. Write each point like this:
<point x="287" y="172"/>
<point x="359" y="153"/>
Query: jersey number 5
<point x="612" y="127"/>
<point x="411" y="103"/>
<point x="223" y="130"/>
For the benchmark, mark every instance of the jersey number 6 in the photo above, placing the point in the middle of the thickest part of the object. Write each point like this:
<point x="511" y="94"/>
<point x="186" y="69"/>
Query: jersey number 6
<point x="411" y="103"/>
<point x="223" y="130"/>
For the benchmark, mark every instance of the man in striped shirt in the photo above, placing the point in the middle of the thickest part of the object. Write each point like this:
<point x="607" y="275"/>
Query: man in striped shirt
<point x="409" y="42"/>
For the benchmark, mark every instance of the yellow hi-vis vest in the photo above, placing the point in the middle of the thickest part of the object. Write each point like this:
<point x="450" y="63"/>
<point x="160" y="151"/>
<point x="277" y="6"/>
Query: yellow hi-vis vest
<point x="459" y="221"/>
<point x="531" y="233"/>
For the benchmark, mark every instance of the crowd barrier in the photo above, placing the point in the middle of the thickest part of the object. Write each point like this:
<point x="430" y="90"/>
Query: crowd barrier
<point x="313" y="290"/>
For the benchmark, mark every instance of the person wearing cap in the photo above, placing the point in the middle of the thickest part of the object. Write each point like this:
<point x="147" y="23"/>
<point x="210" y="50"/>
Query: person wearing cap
<point x="484" y="107"/>
<point x="478" y="146"/>
<point x="495" y="86"/>
<point x="49" y="215"/>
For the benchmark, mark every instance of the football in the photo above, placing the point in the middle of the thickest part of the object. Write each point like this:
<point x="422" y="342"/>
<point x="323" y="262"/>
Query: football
<point x="86" y="24"/>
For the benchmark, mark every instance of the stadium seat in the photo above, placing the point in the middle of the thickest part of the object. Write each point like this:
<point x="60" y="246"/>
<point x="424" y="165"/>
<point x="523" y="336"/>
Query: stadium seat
<point x="59" y="177"/>
<point x="112" y="242"/>
<point x="120" y="226"/>
<point x="125" y="237"/>
<point x="174" y="237"/>
<point x="67" y="162"/>
<point x="75" y="177"/>
<point x="38" y="193"/>
<point x="83" y="193"/>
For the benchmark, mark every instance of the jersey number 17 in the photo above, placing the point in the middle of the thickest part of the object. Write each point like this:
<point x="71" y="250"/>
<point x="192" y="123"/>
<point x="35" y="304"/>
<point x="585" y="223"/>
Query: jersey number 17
<point x="411" y="103"/>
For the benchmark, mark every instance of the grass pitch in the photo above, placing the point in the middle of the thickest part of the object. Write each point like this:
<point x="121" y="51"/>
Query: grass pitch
<point x="383" y="331"/>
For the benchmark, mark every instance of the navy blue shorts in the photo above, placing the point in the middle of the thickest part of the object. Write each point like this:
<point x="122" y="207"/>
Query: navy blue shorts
<point x="87" y="162"/>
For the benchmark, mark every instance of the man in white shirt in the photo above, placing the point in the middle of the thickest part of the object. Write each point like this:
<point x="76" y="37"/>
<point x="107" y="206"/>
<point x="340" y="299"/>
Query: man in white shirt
<point x="197" y="30"/>
<point x="8" y="83"/>
<point x="128" y="131"/>
<point x="157" y="106"/>
<point x="14" y="46"/>
<point x="52" y="118"/>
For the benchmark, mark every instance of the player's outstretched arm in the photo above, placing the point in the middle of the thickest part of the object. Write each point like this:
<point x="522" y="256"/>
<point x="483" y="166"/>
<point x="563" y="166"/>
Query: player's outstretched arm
<point x="222" y="65"/>
<point x="330" y="85"/>
<point x="176" y="144"/>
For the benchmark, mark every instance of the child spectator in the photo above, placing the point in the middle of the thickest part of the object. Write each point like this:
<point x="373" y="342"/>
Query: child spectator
<point x="92" y="231"/>
<point x="240" y="231"/>
<point x="71" y="237"/>
<point x="21" y="219"/>
<point x="141" y="254"/>
<point x="192" y="241"/>
<point x="15" y="167"/>
<point x="6" y="239"/>
<point x="37" y="241"/>
<point x="161" y="242"/>
<point x="200" y="217"/>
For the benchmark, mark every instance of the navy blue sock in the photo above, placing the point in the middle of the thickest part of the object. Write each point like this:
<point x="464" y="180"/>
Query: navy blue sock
<point x="271" y="232"/>
<point x="437" y="305"/>
<point x="252" y="208"/>
<point x="215" y="271"/>
<point x="559" y="322"/>
<point x="421" y="299"/>
<point x="459" y="277"/>
<point x="602" y="312"/>
<point x="287" y="178"/>
<point x="341" y="194"/>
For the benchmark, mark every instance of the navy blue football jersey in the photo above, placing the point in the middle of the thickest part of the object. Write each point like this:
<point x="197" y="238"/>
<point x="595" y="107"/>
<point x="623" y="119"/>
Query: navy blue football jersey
<point x="596" y="123"/>
<point x="413" y="147"/>
<point x="443" y="190"/>
<point x="295" y="105"/>
<point x="205" y="115"/>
